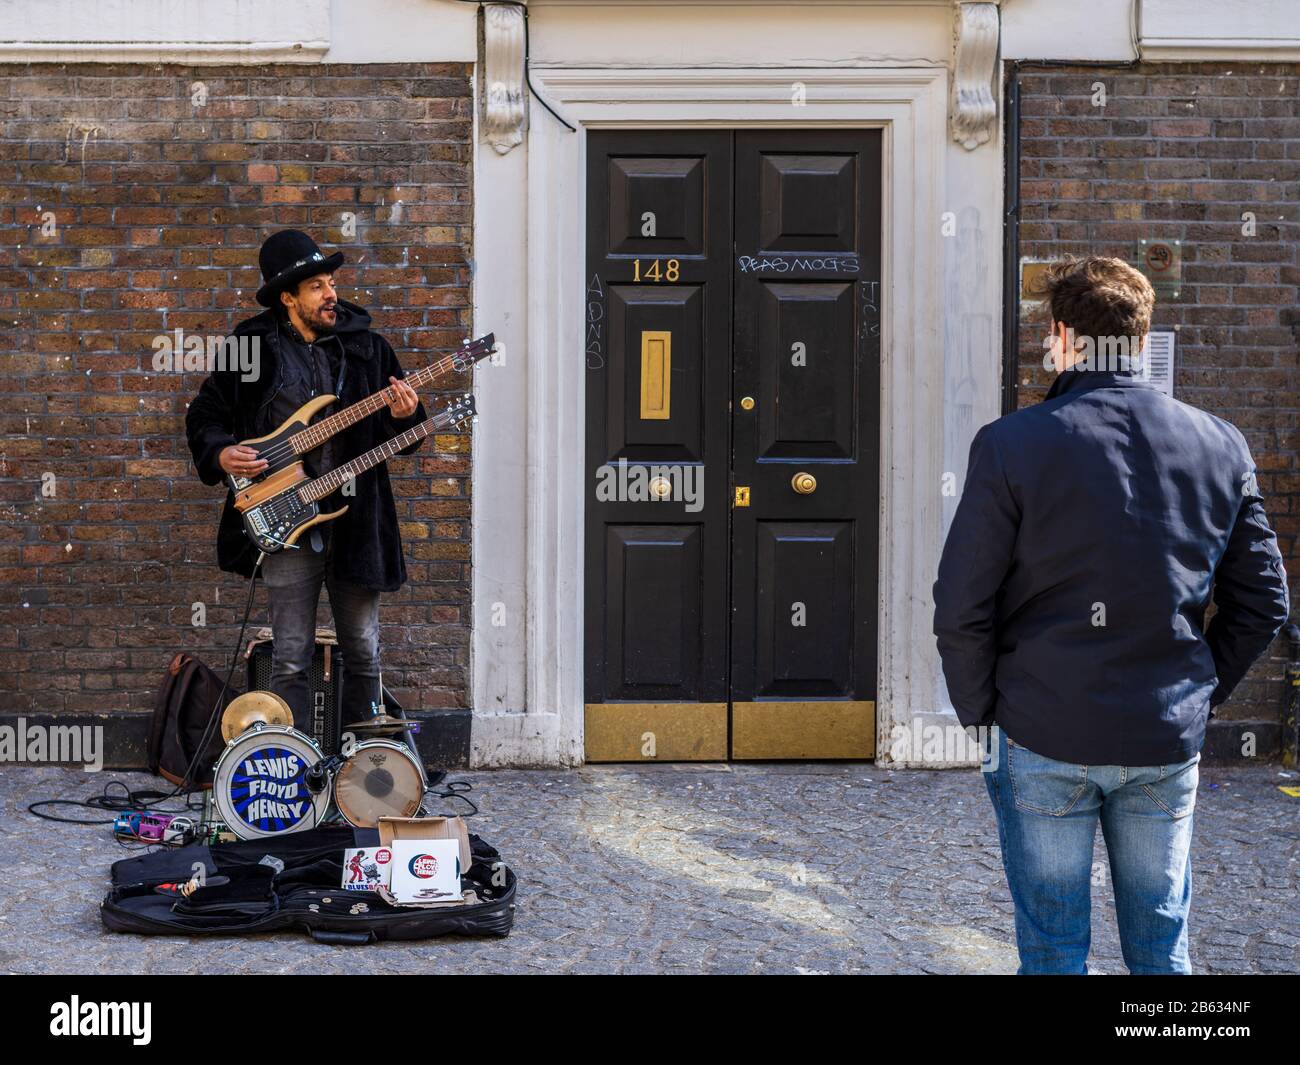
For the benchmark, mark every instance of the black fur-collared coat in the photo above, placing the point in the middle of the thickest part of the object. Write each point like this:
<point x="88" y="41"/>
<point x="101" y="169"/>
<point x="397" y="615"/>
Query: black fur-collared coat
<point x="228" y="409"/>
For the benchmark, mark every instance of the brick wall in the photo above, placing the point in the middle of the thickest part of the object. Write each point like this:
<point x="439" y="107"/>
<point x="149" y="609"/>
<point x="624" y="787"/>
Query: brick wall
<point x="1182" y="152"/>
<point x="162" y="182"/>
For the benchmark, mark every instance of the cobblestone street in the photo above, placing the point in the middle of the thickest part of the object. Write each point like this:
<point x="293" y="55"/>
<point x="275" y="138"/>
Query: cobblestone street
<point x="696" y="869"/>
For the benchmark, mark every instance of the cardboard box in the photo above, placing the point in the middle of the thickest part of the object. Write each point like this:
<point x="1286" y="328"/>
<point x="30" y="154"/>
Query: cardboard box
<point x="419" y="865"/>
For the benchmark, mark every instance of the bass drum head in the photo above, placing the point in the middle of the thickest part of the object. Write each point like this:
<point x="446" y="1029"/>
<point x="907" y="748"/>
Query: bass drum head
<point x="258" y="786"/>
<point x="380" y="778"/>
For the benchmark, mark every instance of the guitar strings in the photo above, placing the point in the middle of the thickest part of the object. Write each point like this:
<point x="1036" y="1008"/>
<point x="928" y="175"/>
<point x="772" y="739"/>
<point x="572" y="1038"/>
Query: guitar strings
<point x="440" y="420"/>
<point x="284" y="449"/>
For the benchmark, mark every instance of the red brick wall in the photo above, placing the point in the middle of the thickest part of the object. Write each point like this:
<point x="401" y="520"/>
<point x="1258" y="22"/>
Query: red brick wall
<point x="159" y="205"/>
<point x="1181" y="152"/>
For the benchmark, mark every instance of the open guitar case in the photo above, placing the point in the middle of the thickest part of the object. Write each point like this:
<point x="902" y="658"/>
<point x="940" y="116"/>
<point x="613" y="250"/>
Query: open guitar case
<point x="291" y="882"/>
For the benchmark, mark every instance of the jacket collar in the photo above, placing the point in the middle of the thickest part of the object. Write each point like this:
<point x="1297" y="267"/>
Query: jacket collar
<point x="351" y="330"/>
<point x="1073" y="380"/>
<point x="282" y="327"/>
<point x="291" y="331"/>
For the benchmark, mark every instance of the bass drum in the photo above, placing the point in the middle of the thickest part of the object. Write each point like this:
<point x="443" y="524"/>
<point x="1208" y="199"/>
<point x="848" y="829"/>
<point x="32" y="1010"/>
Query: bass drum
<point x="259" y="785"/>
<point x="380" y="778"/>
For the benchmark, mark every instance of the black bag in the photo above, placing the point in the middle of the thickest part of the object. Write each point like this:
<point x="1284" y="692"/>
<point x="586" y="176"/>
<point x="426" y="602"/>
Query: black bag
<point x="271" y="884"/>
<point x="180" y="714"/>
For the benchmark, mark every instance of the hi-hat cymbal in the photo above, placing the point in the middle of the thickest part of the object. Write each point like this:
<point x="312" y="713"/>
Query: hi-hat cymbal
<point x="252" y="708"/>
<point x="379" y="722"/>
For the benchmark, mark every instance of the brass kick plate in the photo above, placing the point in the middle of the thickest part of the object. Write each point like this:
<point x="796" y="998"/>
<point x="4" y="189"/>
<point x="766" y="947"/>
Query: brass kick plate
<point x="803" y="730"/>
<point x="656" y="732"/>
<point x="742" y="495"/>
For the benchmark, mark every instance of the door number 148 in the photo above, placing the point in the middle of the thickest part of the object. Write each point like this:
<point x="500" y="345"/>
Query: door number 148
<point x="670" y="271"/>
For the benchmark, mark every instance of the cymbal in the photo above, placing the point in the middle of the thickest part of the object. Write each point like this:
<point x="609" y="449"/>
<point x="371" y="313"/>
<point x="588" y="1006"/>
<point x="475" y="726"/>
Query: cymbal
<point x="379" y="722"/>
<point x="253" y="708"/>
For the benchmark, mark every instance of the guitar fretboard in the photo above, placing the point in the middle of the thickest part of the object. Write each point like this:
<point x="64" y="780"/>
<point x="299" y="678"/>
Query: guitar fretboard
<point x="317" y="433"/>
<point x="322" y="486"/>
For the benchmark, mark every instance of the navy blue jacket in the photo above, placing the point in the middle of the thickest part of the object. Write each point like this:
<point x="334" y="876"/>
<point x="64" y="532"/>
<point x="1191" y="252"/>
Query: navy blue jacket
<point x="1072" y="591"/>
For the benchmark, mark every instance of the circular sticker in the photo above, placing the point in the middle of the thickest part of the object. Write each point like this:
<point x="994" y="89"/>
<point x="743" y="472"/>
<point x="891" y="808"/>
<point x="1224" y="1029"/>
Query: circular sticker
<point x="267" y="789"/>
<point x="423" y="866"/>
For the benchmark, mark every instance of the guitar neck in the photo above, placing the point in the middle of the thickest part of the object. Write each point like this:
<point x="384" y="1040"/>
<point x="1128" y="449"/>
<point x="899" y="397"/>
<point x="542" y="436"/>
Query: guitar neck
<point x="322" y="486"/>
<point x="317" y="433"/>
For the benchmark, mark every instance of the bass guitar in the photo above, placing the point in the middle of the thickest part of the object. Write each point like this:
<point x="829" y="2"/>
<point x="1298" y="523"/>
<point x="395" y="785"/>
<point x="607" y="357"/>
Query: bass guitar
<point x="296" y="437"/>
<point x="277" y="509"/>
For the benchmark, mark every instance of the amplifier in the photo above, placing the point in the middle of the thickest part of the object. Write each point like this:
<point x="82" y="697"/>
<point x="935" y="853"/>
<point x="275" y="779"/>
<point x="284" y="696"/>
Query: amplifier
<point x="324" y="679"/>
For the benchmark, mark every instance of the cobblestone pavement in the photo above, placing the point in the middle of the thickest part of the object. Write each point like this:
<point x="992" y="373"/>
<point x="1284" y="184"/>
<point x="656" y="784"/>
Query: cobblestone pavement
<point x="689" y="869"/>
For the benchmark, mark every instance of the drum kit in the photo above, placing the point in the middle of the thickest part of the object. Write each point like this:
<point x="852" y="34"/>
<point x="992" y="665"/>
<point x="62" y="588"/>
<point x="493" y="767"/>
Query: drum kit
<point x="272" y="779"/>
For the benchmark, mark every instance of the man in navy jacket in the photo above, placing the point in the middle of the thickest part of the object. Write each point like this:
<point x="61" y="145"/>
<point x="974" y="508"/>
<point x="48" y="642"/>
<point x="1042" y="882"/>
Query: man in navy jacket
<point x="1091" y="534"/>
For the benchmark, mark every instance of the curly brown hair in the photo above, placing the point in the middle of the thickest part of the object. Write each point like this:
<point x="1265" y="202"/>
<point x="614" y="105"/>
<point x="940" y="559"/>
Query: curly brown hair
<point x="1098" y="297"/>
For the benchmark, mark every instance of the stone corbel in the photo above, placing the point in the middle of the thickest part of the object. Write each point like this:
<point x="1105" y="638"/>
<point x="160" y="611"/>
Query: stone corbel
<point x="973" y="110"/>
<point x="504" y="103"/>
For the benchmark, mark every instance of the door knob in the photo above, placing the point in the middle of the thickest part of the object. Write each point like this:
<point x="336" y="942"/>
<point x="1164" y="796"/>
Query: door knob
<point x="747" y="403"/>
<point x="804" y="483"/>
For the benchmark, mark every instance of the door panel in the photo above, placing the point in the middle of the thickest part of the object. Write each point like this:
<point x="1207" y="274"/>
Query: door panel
<point x="803" y="603"/>
<point x="658" y="313"/>
<point x="804" y="613"/>
<point x="669" y="322"/>
<point x="807" y="198"/>
<point x="669" y="188"/>
<point x="654" y="640"/>
<point x="801" y="327"/>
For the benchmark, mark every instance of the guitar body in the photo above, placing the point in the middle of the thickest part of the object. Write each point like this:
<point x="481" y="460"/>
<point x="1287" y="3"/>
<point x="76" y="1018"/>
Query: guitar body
<point x="274" y="514"/>
<point x="275" y="447"/>
<point x="279" y="507"/>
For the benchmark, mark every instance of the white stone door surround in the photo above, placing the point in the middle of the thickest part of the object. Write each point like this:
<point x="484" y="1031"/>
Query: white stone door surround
<point x="528" y="491"/>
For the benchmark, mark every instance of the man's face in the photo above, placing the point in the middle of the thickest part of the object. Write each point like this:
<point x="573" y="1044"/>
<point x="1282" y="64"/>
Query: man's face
<point x="315" y="303"/>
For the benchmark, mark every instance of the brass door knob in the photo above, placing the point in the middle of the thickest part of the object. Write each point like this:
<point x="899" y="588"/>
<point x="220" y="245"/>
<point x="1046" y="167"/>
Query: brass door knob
<point x="747" y="403"/>
<point x="804" y="483"/>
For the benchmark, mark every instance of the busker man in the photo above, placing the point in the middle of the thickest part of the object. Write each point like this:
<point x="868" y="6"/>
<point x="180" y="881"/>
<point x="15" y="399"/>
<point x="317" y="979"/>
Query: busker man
<point x="311" y="343"/>
<point x="1069" y="611"/>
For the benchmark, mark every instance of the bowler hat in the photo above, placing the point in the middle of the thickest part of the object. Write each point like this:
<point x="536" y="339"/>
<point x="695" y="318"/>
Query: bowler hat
<point x="286" y="258"/>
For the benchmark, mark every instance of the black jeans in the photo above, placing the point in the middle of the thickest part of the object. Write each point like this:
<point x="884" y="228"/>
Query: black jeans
<point x="293" y="583"/>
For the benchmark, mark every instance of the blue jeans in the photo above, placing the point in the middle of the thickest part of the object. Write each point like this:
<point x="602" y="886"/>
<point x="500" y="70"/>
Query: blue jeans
<point x="1047" y="813"/>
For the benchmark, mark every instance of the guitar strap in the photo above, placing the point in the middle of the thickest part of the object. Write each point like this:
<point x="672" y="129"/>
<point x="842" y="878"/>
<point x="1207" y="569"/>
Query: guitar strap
<point x="343" y="366"/>
<point x="315" y="539"/>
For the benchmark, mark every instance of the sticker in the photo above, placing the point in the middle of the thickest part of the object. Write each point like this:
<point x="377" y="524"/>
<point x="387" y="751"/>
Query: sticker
<point x="268" y="790"/>
<point x="366" y="868"/>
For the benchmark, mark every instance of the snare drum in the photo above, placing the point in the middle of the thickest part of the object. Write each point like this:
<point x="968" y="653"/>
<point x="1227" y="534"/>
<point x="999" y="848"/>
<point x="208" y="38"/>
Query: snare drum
<point x="259" y="786"/>
<point x="380" y="778"/>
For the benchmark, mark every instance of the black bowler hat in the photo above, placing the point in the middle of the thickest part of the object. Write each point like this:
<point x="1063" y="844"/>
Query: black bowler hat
<point x="286" y="258"/>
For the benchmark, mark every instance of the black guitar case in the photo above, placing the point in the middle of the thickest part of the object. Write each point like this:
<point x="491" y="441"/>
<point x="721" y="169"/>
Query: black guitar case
<point x="292" y="882"/>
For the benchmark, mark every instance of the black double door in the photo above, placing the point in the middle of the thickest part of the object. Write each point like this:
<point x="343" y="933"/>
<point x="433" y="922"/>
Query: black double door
<point x="732" y="349"/>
